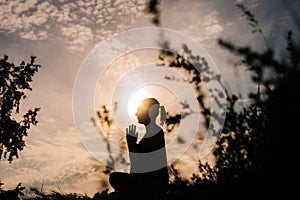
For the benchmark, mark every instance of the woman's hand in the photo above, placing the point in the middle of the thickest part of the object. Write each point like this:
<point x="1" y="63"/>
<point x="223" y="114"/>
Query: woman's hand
<point x="131" y="130"/>
<point x="131" y="137"/>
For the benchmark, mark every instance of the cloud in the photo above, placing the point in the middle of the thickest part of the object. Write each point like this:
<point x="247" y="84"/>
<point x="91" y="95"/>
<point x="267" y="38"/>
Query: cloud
<point x="80" y="23"/>
<point x="77" y="35"/>
<point x="207" y="29"/>
<point x="52" y="161"/>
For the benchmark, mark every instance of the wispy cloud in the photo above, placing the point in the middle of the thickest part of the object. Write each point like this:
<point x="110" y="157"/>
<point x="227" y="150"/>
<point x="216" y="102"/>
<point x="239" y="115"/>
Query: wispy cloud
<point x="80" y="23"/>
<point x="207" y="29"/>
<point x="62" y="162"/>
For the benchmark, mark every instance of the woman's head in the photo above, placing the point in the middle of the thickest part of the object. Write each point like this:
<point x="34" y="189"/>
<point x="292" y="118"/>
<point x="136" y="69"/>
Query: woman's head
<point x="149" y="110"/>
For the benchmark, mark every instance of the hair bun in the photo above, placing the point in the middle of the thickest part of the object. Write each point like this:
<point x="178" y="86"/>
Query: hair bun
<point x="163" y="114"/>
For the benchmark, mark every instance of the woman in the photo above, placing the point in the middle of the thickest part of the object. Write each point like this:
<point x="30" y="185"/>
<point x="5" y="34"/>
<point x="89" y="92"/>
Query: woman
<point x="148" y="177"/>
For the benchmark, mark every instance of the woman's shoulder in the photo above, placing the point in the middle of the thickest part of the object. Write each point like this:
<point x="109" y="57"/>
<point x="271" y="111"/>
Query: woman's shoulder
<point x="159" y="130"/>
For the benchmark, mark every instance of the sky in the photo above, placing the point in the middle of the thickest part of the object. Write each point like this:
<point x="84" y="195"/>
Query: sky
<point x="63" y="33"/>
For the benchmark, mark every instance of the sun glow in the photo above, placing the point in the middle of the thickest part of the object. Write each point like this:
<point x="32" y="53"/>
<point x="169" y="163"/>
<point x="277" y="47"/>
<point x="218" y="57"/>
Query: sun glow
<point x="135" y="100"/>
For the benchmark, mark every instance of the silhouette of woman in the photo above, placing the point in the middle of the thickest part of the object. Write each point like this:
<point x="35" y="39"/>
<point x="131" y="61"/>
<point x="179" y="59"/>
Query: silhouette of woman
<point x="148" y="177"/>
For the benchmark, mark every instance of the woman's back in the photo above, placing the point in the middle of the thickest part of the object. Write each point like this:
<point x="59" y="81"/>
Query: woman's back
<point x="149" y="157"/>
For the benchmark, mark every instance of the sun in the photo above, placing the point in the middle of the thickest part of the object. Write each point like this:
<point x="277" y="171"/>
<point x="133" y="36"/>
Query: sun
<point x="135" y="100"/>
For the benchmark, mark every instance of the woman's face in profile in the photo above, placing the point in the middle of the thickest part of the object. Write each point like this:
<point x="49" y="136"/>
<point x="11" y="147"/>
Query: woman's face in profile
<point x="142" y="114"/>
<point x="147" y="111"/>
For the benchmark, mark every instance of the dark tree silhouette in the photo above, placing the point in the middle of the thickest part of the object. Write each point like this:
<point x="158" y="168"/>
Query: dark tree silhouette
<point x="258" y="137"/>
<point x="14" y="81"/>
<point x="251" y="154"/>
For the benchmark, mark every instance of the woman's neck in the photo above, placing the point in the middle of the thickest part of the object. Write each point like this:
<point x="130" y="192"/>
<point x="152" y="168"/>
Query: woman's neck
<point x="152" y="129"/>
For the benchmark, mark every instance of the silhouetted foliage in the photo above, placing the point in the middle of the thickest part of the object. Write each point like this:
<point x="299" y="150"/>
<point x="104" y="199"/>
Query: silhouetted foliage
<point x="36" y="194"/>
<point x="251" y="151"/>
<point x="194" y="78"/>
<point x="39" y="195"/>
<point x="14" y="194"/>
<point x="14" y="81"/>
<point x="152" y="7"/>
